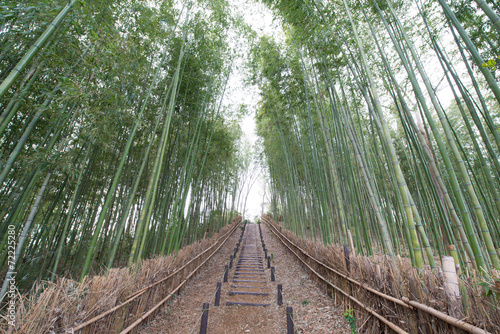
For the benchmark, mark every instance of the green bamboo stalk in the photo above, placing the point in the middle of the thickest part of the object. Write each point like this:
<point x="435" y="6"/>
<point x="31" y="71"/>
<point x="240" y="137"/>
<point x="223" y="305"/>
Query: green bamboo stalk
<point x="463" y="171"/>
<point x="475" y="56"/>
<point x="15" y="102"/>
<point x="23" y="236"/>
<point x="486" y="113"/>
<point x="470" y="235"/>
<point x="69" y="215"/>
<point x="446" y="65"/>
<point x="130" y="200"/>
<point x="153" y="182"/>
<point x="492" y="15"/>
<point x="20" y="144"/>
<point x="399" y="174"/>
<point x="34" y="49"/>
<point x="484" y="166"/>
<point x="15" y="214"/>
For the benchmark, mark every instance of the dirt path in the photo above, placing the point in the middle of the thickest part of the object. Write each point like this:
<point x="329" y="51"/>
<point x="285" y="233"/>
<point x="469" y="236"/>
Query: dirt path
<point x="313" y="311"/>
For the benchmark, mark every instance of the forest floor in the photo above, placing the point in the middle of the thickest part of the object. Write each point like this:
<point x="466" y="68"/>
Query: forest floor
<point x="313" y="310"/>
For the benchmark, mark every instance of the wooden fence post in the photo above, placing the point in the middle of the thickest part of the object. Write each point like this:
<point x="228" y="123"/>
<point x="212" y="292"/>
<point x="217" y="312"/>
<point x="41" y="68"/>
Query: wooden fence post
<point x="347" y="258"/>
<point x="204" y="319"/>
<point x="280" y="294"/>
<point x="348" y="267"/>
<point x="217" y="294"/>
<point x="289" y="320"/>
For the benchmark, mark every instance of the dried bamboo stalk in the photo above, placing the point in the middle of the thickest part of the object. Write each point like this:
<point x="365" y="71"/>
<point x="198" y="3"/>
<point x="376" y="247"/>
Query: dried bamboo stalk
<point x="446" y="318"/>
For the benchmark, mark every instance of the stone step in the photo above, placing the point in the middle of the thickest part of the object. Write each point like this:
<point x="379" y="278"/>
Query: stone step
<point x="232" y="293"/>
<point x="245" y="304"/>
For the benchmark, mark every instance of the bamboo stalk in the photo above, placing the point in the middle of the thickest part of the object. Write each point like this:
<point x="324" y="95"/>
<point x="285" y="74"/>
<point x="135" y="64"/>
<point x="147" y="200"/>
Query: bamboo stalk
<point x="34" y="49"/>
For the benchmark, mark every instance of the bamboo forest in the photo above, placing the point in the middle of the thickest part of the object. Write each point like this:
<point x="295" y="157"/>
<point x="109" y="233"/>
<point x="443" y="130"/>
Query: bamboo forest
<point x="122" y="134"/>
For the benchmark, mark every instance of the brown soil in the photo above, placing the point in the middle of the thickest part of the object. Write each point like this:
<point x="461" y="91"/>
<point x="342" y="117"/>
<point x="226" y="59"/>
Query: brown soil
<point x="313" y="311"/>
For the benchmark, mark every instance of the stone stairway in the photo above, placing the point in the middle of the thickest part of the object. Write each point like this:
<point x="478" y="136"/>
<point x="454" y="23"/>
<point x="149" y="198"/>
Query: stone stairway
<point x="250" y="281"/>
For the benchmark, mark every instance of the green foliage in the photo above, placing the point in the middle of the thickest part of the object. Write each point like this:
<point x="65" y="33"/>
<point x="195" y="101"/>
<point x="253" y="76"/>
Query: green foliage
<point x="479" y="28"/>
<point x="491" y="64"/>
<point x="491" y="287"/>
<point x="351" y="320"/>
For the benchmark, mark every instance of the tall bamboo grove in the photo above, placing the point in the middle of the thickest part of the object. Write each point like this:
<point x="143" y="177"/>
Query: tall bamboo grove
<point x="114" y="143"/>
<point x="380" y="120"/>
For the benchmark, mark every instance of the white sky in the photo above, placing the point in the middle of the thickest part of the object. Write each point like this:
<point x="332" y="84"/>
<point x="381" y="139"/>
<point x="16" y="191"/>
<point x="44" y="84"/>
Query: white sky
<point x="260" y="19"/>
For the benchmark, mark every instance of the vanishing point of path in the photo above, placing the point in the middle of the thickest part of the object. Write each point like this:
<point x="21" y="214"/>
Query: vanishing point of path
<point x="248" y="301"/>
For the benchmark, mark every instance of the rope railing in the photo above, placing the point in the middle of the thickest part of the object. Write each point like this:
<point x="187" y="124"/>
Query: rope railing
<point x="405" y="302"/>
<point x="140" y="292"/>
